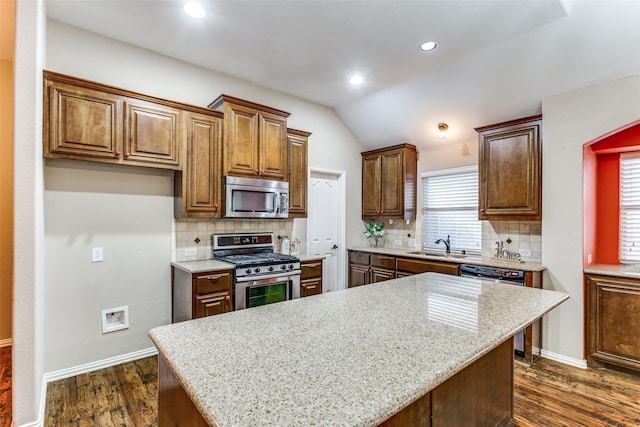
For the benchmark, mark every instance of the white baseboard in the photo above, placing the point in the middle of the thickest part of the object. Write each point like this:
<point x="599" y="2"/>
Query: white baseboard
<point x="578" y="363"/>
<point x="100" y="364"/>
<point x="6" y="342"/>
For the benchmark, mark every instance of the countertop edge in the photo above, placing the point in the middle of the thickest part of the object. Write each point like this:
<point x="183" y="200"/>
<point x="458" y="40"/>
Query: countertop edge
<point x="614" y="270"/>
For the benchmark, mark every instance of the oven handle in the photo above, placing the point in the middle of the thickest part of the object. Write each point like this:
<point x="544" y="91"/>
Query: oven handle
<point x="269" y="278"/>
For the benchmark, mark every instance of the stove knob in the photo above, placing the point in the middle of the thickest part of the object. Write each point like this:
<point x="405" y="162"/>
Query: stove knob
<point x="257" y="270"/>
<point x="248" y="271"/>
<point x="271" y="268"/>
<point x="283" y="267"/>
<point x="290" y="266"/>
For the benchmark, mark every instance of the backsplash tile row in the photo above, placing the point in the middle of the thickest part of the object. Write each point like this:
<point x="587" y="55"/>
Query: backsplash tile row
<point x="524" y="235"/>
<point x="185" y="232"/>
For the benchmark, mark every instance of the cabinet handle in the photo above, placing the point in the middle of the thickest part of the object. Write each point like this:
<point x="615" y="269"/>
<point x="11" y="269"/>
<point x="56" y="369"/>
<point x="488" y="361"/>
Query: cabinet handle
<point x="227" y="298"/>
<point x="127" y="154"/>
<point x="311" y="265"/>
<point x="304" y="285"/>
<point x="212" y="278"/>
<point x="117" y="153"/>
<point x="256" y="171"/>
<point x="481" y="210"/>
<point x="215" y="206"/>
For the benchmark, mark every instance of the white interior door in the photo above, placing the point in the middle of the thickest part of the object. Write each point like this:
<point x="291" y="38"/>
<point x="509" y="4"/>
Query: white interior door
<point x="325" y="224"/>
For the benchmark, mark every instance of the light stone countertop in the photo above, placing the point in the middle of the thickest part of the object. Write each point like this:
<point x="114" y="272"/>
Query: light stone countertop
<point x="347" y="358"/>
<point x="617" y="270"/>
<point x="310" y="257"/>
<point x="466" y="259"/>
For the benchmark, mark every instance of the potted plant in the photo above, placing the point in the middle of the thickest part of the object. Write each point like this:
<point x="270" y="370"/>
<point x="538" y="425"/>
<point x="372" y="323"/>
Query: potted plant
<point x="374" y="233"/>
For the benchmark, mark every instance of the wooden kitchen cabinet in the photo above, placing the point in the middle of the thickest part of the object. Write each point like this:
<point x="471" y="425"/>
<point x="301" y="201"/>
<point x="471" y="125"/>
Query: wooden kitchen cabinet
<point x="389" y="182"/>
<point x="613" y="321"/>
<point x="310" y="278"/>
<point x="197" y="189"/>
<point x="201" y="294"/>
<point x="254" y="139"/>
<point x="410" y="266"/>
<point x="366" y="268"/>
<point x="510" y="175"/>
<point x="84" y="120"/>
<point x="297" y="141"/>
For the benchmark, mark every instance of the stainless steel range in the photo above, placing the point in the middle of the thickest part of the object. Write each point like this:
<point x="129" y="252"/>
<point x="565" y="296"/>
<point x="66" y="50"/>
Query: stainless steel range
<point x="260" y="275"/>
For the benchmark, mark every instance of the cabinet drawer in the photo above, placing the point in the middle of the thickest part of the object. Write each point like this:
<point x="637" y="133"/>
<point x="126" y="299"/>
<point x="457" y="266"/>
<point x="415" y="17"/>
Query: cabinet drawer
<point x="420" y="266"/>
<point x="311" y="270"/>
<point x="383" y="261"/>
<point x="310" y="287"/>
<point x="359" y="257"/>
<point x="216" y="281"/>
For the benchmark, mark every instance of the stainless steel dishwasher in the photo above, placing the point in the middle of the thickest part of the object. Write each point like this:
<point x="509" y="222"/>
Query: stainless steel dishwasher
<point x="502" y="275"/>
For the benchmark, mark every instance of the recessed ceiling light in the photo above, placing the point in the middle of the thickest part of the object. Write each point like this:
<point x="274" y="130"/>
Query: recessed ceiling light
<point x="428" y="46"/>
<point x="356" y="80"/>
<point x="194" y="9"/>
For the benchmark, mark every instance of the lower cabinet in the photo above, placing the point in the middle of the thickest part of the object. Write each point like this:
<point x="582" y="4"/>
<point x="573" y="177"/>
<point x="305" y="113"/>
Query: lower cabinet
<point x="310" y="278"/>
<point x="613" y="321"/>
<point x="365" y="267"/>
<point x="201" y="294"/>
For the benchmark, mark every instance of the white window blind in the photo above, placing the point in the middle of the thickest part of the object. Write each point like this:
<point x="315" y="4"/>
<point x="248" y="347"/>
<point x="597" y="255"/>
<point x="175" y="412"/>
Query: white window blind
<point x="629" y="208"/>
<point x="451" y="209"/>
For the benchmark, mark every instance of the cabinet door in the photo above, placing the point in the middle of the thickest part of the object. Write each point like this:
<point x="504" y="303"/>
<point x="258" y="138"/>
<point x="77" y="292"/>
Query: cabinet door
<point x="358" y="275"/>
<point x="297" y="165"/>
<point x="200" y="182"/>
<point x="212" y="304"/>
<point x="417" y="266"/>
<point x="371" y="172"/>
<point x="310" y="287"/>
<point x="613" y="321"/>
<point x="379" y="275"/>
<point x="509" y="171"/>
<point x="152" y="133"/>
<point x="240" y="141"/>
<point x="273" y="147"/>
<point x="81" y="123"/>
<point x="391" y="173"/>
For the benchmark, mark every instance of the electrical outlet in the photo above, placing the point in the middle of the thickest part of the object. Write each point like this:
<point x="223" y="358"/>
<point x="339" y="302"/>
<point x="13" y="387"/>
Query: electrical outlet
<point x="397" y="242"/>
<point x="526" y="253"/>
<point x="97" y="255"/>
<point x="412" y="243"/>
<point x="190" y="251"/>
<point x="589" y="258"/>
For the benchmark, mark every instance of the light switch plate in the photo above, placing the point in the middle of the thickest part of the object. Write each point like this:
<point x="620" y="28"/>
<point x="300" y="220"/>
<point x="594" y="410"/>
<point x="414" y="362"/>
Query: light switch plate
<point x="97" y="255"/>
<point x="190" y="251"/>
<point x="525" y="252"/>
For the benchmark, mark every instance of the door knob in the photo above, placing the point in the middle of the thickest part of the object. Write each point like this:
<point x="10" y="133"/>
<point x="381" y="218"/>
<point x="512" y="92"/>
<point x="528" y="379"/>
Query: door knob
<point x="334" y="247"/>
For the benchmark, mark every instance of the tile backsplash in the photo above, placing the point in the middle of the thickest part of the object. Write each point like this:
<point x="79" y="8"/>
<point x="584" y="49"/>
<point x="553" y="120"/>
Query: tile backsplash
<point x="184" y="234"/>
<point x="525" y="236"/>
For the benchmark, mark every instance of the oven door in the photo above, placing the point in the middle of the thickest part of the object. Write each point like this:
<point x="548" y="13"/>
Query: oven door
<point x="254" y="292"/>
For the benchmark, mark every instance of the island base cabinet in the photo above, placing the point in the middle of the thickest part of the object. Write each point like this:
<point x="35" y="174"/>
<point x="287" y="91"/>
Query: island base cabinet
<point x="175" y="408"/>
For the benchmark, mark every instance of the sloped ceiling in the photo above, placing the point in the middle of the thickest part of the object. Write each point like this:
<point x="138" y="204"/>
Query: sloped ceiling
<point x="496" y="60"/>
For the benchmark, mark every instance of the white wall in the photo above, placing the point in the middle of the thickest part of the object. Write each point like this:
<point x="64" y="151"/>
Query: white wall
<point x="571" y="120"/>
<point x="28" y="291"/>
<point x="90" y="205"/>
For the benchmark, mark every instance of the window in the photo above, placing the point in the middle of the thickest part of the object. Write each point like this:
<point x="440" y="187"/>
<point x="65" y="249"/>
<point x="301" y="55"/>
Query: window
<point x="629" y="250"/>
<point x="451" y="209"/>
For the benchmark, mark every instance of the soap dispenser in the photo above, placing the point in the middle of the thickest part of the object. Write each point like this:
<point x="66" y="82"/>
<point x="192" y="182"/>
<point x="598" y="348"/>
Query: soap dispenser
<point x="285" y="245"/>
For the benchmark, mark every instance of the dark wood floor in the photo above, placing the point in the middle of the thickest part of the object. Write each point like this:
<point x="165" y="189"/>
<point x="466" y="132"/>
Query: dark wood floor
<point x="5" y="386"/>
<point x="547" y="393"/>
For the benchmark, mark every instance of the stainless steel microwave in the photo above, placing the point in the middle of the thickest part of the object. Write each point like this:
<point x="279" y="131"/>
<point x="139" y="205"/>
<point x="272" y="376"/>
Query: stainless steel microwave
<point x="256" y="198"/>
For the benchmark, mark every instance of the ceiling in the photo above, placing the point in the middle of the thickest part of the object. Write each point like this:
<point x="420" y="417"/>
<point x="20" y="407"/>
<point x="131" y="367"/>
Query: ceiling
<point x="495" y="60"/>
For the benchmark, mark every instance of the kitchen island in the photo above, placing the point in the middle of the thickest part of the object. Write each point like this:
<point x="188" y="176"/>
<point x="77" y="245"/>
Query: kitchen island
<point x="428" y="349"/>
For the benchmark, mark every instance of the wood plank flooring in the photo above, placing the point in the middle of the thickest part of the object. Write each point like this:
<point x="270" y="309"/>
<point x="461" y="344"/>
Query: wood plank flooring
<point x="547" y="393"/>
<point x="5" y="386"/>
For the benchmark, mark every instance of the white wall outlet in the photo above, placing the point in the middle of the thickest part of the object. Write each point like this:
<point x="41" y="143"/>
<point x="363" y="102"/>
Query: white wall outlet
<point x="115" y="319"/>
<point x="526" y="253"/>
<point x="191" y="251"/>
<point x="97" y="255"/>
<point x="412" y="243"/>
<point x="589" y="258"/>
<point x="397" y="242"/>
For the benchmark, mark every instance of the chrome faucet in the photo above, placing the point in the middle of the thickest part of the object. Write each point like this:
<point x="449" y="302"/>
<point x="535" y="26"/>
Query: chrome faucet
<point x="447" y="243"/>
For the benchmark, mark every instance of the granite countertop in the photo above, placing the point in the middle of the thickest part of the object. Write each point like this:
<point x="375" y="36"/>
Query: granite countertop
<point x="618" y="270"/>
<point x="347" y="358"/>
<point x="454" y="258"/>
<point x="311" y="257"/>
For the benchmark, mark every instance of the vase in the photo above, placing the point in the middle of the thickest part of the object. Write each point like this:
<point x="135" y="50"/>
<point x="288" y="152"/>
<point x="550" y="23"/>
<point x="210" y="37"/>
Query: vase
<point x="375" y="241"/>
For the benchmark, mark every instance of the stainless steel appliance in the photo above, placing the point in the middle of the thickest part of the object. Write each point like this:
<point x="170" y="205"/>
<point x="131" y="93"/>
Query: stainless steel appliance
<point x="260" y="275"/>
<point x="502" y="275"/>
<point x="255" y="198"/>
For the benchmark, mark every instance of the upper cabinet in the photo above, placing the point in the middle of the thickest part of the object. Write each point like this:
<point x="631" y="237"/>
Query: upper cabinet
<point x="510" y="176"/>
<point x="254" y="139"/>
<point x="298" y="141"/>
<point x="84" y="120"/>
<point x="389" y="178"/>
<point x="197" y="189"/>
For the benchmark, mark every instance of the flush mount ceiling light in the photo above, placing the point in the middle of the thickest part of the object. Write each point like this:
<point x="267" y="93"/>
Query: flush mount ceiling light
<point x="194" y="9"/>
<point x="442" y="130"/>
<point x="356" y="80"/>
<point x="428" y="46"/>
